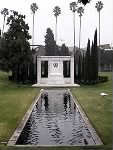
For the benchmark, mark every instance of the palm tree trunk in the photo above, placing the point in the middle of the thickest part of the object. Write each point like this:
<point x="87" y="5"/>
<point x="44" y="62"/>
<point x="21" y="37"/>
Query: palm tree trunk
<point x="99" y="45"/>
<point x="33" y="32"/>
<point x="56" y="31"/>
<point x="56" y="36"/>
<point x="3" y="26"/>
<point x="80" y="34"/>
<point x="74" y="30"/>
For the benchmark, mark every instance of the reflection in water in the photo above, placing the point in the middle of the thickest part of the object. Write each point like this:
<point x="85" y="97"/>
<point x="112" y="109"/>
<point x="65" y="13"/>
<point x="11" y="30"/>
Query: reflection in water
<point x="65" y="100"/>
<point x="55" y="120"/>
<point x="46" y="101"/>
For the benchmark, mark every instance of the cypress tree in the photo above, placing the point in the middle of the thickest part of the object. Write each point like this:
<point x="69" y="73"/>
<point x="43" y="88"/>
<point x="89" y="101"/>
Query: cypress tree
<point x="50" y="44"/>
<point x="75" y="69"/>
<point x="79" y="68"/>
<point x="94" y="58"/>
<point x="31" y="71"/>
<point x="64" y="50"/>
<point x="96" y="54"/>
<point x="87" y="63"/>
<point x="83" y="65"/>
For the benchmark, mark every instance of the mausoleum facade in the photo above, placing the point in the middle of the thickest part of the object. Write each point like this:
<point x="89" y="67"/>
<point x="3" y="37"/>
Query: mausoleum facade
<point x="55" y="71"/>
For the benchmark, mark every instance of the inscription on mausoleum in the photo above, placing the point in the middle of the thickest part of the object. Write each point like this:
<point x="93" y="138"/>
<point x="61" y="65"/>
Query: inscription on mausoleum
<point x="55" y="64"/>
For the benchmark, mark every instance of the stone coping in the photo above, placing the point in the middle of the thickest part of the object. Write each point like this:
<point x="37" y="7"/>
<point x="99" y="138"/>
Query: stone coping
<point x="56" y="85"/>
<point x="55" y="56"/>
<point x="16" y="134"/>
<point x="92" y="130"/>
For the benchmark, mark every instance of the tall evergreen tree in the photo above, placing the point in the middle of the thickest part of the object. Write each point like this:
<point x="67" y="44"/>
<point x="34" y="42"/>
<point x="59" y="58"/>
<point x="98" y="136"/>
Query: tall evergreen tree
<point x="50" y="44"/>
<point x="83" y="66"/>
<point x="87" y="63"/>
<point x="64" y="50"/>
<point x="94" y="58"/>
<point x="79" y="67"/>
<point x="75" y="75"/>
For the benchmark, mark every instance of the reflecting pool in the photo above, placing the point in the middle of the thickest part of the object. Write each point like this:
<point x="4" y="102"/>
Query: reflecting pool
<point x="55" y="120"/>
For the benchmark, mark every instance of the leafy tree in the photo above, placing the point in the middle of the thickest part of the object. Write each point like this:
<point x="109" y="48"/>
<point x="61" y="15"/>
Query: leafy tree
<point x="34" y="8"/>
<point x="5" y="13"/>
<point x="64" y="50"/>
<point x="15" y="52"/>
<point x="106" y="57"/>
<point x="50" y="44"/>
<point x="99" y="6"/>
<point x="84" y="1"/>
<point x="57" y="12"/>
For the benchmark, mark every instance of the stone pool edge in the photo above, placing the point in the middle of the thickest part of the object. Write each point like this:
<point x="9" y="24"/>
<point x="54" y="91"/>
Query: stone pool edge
<point x="12" y="141"/>
<point x="92" y="130"/>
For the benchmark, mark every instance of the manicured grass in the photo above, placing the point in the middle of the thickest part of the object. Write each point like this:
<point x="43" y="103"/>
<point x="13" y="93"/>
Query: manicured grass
<point x="15" y="100"/>
<point x="98" y="108"/>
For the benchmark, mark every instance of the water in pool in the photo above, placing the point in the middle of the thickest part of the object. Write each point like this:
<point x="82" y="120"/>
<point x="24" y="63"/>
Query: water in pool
<point x="55" y="120"/>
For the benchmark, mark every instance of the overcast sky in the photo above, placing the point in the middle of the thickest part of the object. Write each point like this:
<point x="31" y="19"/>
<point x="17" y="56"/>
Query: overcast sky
<point x="44" y="18"/>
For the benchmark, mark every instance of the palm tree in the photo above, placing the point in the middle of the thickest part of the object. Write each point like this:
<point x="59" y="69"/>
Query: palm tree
<point x="34" y="8"/>
<point x="99" y="6"/>
<point x="73" y="8"/>
<point x="5" y="13"/>
<point x="80" y="11"/>
<point x="57" y="12"/>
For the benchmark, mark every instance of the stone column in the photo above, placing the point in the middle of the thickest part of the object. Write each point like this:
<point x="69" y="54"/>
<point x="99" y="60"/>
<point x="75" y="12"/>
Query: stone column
<point x="72" y="69"/>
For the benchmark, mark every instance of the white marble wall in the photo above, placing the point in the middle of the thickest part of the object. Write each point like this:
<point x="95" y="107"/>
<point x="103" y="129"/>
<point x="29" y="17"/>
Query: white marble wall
<point x="55" y="73"/>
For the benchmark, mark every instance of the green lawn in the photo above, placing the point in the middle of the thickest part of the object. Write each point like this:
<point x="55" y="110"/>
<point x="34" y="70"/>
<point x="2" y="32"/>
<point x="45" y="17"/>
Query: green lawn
<point x="98" y="108"/>
<point x="15" y="100"/>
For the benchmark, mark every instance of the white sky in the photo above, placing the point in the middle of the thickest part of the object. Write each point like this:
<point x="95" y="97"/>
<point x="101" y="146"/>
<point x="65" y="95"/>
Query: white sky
<point x="44" y="18"/>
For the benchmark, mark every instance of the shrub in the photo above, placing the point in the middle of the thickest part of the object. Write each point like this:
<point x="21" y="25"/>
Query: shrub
<point x="100" y="79"/>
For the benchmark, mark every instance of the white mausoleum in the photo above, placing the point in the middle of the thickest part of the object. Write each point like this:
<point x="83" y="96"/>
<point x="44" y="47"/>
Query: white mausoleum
<point x="55" y="71"/>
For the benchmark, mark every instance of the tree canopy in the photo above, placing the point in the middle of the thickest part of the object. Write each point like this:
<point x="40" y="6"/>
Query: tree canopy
<point x="50" y="44"/>
<point x="15" y="49"/>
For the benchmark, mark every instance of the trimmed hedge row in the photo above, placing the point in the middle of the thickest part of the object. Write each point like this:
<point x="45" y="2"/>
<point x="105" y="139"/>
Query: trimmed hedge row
<point x="100" y="79"/>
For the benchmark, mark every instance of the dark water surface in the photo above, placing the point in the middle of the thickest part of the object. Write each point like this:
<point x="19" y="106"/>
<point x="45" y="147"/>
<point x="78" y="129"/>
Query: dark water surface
<point x="55" y="120"/>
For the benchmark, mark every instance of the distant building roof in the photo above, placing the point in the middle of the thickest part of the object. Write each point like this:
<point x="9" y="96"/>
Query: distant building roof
<point x="40" y="51"/>
<point x="106" y="46"/>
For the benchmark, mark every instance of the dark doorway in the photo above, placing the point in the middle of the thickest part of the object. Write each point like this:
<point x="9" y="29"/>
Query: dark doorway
<point x="66" y="69"/>
<point x="44" y="69"/>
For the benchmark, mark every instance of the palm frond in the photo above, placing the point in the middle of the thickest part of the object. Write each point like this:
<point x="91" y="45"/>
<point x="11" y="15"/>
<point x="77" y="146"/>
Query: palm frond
<point x="34" y="7"/>
<point x="99" y="6"/>
<point x="57" y="11"/>
<point x="73" y="6"/>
